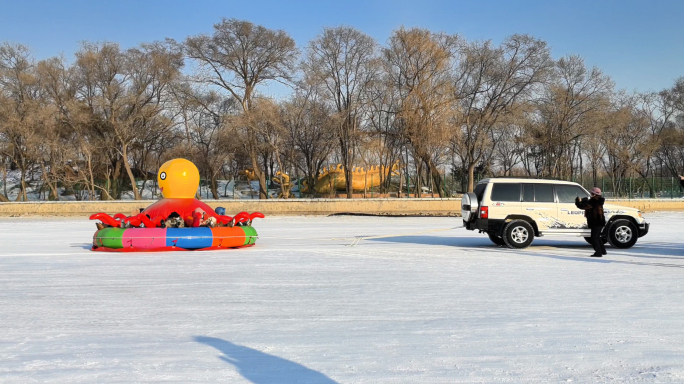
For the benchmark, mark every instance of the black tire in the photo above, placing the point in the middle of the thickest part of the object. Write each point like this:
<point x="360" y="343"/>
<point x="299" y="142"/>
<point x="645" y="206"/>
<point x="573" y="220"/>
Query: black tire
<point x="623" y="234"/>
<point x="518" y="234"/>
<point x="588" y="240"/>
<point x="496" y="239"/>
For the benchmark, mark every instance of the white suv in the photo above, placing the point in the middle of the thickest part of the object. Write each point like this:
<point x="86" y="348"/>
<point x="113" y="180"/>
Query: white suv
<point x="513" y="211"/>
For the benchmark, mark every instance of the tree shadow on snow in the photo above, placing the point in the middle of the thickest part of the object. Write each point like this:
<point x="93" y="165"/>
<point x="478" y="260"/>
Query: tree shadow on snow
<point x="262" y="368"/>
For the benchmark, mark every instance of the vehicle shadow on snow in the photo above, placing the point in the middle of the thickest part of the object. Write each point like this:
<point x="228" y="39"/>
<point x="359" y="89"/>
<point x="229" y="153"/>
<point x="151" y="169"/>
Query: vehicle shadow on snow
<point x="615" y="256"/>
<point x="662" y="250"/>
<point x="466" y="242"/>
<point x="649" y="250"/>
<point x="606" y="260"/>
<point x="262" y="368"/>
<point x="544" y="248"/>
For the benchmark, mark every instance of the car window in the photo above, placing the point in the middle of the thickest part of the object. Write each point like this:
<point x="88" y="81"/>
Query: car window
<point x="568" y="193"/>
<point x="528" y="193"/>
<point x="479" y="191"/>
<point x="506" y="192"/>
<point x="543" y="193"/>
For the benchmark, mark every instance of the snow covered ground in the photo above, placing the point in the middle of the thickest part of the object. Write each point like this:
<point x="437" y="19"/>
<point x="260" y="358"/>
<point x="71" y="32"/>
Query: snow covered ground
<point x="431" y="307"/>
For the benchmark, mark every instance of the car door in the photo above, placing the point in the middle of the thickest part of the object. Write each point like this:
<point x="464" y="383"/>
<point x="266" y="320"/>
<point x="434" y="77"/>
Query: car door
<point x="539" y="203"/>
<point x="569" y="215"/>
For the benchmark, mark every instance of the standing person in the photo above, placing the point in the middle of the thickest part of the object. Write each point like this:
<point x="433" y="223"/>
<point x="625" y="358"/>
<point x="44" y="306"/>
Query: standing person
<point x="596" y="220"/>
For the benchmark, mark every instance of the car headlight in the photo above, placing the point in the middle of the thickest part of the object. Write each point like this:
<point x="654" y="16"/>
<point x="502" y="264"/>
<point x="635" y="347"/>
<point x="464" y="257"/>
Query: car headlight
<point x="641" y="217"/>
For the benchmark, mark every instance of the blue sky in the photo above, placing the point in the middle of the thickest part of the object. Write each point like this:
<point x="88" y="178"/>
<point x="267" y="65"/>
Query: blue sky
<point x="640" y="44"/>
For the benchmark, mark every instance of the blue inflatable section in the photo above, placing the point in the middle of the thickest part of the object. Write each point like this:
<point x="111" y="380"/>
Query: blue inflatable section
<point x="189" y="238"/>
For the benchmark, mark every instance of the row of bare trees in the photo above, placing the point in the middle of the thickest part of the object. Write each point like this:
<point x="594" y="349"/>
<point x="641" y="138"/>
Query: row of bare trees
<point x="99" y="125"/>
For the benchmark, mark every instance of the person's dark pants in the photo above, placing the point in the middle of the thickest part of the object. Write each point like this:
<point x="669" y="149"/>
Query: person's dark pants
<point x="597" y="241"/>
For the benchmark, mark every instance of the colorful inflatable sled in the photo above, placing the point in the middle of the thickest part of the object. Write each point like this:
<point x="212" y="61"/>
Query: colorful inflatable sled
<point x="172" y="239"/>
<point x="197" y="226"/>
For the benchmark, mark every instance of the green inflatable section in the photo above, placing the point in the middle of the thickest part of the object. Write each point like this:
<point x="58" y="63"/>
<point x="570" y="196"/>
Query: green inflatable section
<point x="250" y="235"/>
<point x="109" y="237"/>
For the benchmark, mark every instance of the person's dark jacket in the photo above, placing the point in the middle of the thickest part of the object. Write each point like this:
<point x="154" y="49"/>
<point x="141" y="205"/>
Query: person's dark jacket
<point x="593" y="211"/>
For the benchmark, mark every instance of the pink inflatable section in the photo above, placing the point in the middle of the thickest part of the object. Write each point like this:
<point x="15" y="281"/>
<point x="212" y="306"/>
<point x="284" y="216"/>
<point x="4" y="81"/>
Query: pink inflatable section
<point x="145" y="238"/>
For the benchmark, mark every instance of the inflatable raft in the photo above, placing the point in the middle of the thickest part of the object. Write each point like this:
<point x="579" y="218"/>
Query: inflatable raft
<point x="172" y="239"/>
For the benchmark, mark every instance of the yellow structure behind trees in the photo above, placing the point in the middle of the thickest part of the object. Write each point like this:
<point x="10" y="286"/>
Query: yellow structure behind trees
<point x="333" y="178"/>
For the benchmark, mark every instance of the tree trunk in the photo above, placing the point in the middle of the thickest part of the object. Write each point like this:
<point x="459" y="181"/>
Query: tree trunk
<point x="4" y="178"/>
<point x="434" y="176"/>
<point x="116" y="185"/>
<point x="401" y="183"/>
<point x="419" y="177"/>
<point x="349" y="179"/>
<point x="437" y="181"/>
<point x="471" y="177"/>
<point x="213" y="184"/>
<point x="53" y="196"/>
<point x="92" y="180"/>
<point x="263" y="191"/>
<point x="124" y="152"/>
<point x="285" y="186"/>
<point x="3" y="196"/>
<point x="22" y="184"/>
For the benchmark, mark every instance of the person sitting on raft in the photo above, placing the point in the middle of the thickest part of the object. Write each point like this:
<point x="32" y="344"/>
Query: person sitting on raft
<point x="175" y="221"/>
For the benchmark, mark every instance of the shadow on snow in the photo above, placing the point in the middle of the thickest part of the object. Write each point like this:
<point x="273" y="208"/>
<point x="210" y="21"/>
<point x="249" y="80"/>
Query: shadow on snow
<point x="647" y="251"/>
<point x="262" y="368"/>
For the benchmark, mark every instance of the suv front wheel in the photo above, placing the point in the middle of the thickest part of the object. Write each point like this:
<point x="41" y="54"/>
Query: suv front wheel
<point x="518" y="234"/>
<point x="622" y="234"/>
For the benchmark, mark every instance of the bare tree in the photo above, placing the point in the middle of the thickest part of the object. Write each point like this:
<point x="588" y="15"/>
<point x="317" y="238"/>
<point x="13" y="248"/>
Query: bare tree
<point x="489" y="82"/>
<point x="127" y="91"/>
<point x="307" y="120"/>
<point x="419" y="63"/>
<point x="625" y="137"/>
<point x="384" y="103"/>
<point x="669" y="125"/>
<point x="206" y="118"/>
<point x="19" y="109"/>
<point x="239" y="57"/>
<point x="343" y="62"/>
<point x="565" y="109"/>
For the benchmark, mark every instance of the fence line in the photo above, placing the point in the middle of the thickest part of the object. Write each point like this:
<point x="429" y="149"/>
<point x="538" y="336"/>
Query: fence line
<point x="619" y="188"/>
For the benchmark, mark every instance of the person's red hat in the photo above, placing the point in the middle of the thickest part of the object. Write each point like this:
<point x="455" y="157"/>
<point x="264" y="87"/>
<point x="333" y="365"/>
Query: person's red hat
<point x="595" y="191"/>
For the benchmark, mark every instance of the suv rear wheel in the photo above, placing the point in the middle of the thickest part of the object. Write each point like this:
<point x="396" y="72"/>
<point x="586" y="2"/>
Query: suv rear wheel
<point x="622" y="234"/>
<point x="518" y="234"/>
<point x="496" y="239"/>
